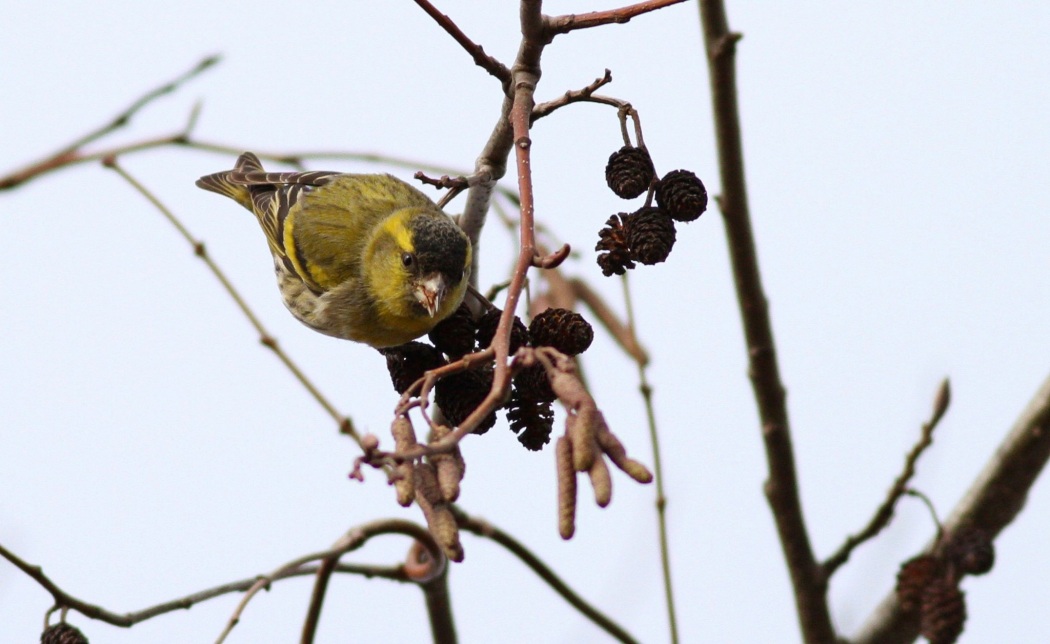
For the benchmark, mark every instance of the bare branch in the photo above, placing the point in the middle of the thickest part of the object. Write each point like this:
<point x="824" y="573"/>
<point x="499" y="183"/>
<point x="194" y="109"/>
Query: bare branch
<point x="646" y="391"/>
<point x="481" y="59"/>
<point x="126" y="620"/>
<point x="420" y="567"/>
<point x="808" y="581"/>
<point x="900" y="486"/>
<point x="575" y="96"/>
<point x="313" y="612"/>
<point x="436" y="593"/>
<point x="992" y="502"/>
<point x="564" y="24"/>
<point x="444" y="182"/>
<point x="485" y="529"/>
<point x="70" y="154"/>
<point x="352" y="540"/>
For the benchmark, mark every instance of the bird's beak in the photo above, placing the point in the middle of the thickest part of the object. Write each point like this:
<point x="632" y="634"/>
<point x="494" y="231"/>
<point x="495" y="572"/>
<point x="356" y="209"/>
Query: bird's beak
<point x="431" y="291"/>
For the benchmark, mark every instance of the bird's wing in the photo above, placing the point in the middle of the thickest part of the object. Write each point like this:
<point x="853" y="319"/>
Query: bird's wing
<point x="274" y="194"/>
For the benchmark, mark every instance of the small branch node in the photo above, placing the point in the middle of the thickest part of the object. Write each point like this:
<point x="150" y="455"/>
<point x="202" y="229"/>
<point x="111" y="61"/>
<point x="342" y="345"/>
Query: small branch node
<point x="553" y="260"/>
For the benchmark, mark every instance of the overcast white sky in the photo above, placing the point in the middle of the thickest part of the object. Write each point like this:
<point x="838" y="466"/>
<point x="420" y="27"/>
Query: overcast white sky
<point x="149" y="447"/>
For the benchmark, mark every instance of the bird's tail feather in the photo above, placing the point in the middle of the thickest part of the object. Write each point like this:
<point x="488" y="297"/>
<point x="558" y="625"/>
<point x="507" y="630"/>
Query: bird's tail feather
<point x="224" y="184"/>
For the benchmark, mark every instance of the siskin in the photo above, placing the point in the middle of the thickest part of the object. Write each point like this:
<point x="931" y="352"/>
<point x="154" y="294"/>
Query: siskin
<point x="364" y="257"/>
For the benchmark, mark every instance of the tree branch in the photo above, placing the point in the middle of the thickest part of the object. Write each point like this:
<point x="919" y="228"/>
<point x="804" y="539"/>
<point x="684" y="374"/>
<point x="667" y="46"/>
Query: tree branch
<point x="564" y="24"/>
<point x="575" y="96"/>
<point x="808" y="581"/>
<point x="885" y="511"/>
<point x="127" y="620"/>
<point x="646" y="391"/>
<point x="70" y="154"/>
<point x="481" y="59"/>
<point x="352" y="540"/>
<point x="485" y="529"/>
<point x="992" y="502"/>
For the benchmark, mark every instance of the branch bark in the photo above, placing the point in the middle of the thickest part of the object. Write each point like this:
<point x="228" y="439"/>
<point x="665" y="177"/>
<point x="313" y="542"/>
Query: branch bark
<point x="807" y="578"/>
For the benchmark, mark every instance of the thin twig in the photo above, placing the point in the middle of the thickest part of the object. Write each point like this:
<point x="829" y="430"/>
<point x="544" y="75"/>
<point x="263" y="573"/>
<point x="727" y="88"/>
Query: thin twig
<point x="994" y="500"/>
<point x="884" y="513"/>
<point x="564" y="24"/>
<point x="269" y="341"/>
<point x="481" y="59"/>
<point x="313" y="611"/>
<point x="352" y="540"/>
<point x="485" y="529"/>
<point x="808" y="582"/>
<point x="925" y="500"/>
<point x="553" y="260"/>
<point x="125" y="620"/>
<point x="437" y="597"/>
<point x="422" y="569"/>
<point x="661" y="498"/>
<point x="571" y="96"/>
<point x="70" y="154"/>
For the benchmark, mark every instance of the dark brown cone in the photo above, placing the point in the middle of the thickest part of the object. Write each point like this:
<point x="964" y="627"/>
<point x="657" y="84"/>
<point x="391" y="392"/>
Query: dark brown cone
<point x="682" y="195"/>
<point x="561" y="329"/>
<point x="454" y="335"/>
<point x="943" y="611"/>
<point x="971" y="551"/>
<point x="519" y="335"/>
<point x="612" y="239"/>
<point x="629" y="172"/>
<point x="650" y="235"/>
<point x="459" y="394"/>
<point x="912" y="579"/>
<point x="532" y="420"/>
<point x="62" y="633"/>
<point x="406" y="363"/>
<point x="531" y="383"/>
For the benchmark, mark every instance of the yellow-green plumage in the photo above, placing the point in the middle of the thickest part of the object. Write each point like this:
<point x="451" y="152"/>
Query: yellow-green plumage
<point x="365" y="257"/>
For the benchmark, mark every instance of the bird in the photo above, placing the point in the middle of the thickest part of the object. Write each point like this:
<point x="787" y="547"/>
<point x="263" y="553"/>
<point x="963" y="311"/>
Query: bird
<point x="362" y="257"/>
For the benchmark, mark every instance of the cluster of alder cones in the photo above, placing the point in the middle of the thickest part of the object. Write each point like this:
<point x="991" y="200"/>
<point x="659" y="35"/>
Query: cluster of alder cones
<point x="529" y="408"/>
<point x="928" y="585"/>
<point x="648" y="234"/>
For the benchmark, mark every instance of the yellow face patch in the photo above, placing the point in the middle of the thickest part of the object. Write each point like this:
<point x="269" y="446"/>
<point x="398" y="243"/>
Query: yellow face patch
<point x="397" y="227"/>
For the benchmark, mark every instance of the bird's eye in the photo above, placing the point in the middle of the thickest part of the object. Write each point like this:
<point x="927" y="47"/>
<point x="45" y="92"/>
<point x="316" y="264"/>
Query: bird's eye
<point x="407" y="259"/>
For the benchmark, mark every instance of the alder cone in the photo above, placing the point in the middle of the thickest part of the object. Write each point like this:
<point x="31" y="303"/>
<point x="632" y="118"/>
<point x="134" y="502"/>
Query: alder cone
<point x="650" y="235"/>
<point x="972" y="551"/>
<point x="62" y="633"/>
<point x="616" y="258"/>
<point x="407" y="363"/>
<point x="914" y="576"/>
<point x="561" y="329"/>
<point x="459" y="394"/>
<point x="454" y="335"/>
<point x="943" y="611"/>
<point x="629" y="172"/>
<point x="487" y="324"/>
<point x="682" y="195"/>
<point x="532" y="420"/>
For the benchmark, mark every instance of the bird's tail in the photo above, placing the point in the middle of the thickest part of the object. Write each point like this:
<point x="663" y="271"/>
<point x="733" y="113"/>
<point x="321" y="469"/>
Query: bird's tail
<point x="221" y="182"/>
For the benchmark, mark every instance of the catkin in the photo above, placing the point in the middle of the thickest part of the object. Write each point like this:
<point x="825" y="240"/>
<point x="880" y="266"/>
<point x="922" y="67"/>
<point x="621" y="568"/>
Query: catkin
<point x="404" y="439"/>
<point x="566" y="488"/>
